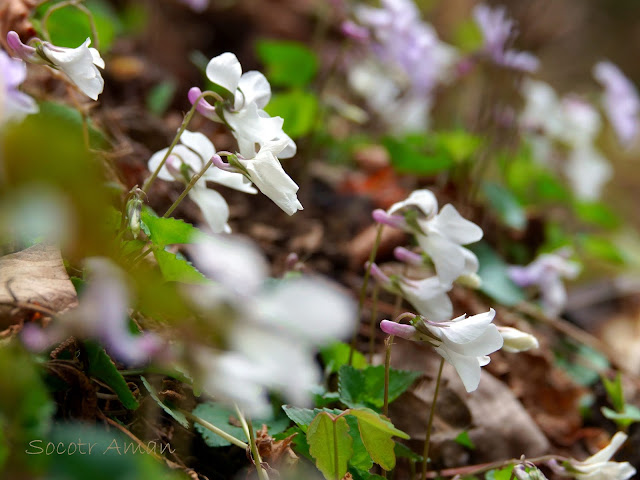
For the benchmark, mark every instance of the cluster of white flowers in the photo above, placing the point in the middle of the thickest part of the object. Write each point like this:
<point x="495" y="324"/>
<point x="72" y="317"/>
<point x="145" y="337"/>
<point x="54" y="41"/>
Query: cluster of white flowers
<point x="463" y="342"/>
<point x="261" y="140"/>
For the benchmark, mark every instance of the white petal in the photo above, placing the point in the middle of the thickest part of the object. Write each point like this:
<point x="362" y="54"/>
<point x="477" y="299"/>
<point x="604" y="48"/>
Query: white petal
<point x="213" y="206"/>
<point x="448" y="258"/>
<point x="233" y="261"/>
<point x="312" y="310"/>
<point x="429" y="297"/>
<point x="488" y="342"/>
<point x="424" y="200"/>
<point x="182" y="153"/>
<point x="468" y="368"/>
<point x="252" y="126"/>
<point x="199" y="143"/>
<point x="464" y="330"/>
<point x="234" y="180"/>
<point x="268" y="175"/>
<point x="254" y="88"/>
<point x="225" y="71"/>
<point x="450" y="224"/>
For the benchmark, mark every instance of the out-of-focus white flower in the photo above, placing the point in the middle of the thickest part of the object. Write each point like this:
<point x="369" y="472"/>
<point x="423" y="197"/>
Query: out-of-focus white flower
<point x="245" y="96"/>
<point x="534" y="473"/>
<point x="465" y="342"/>
<point x="277" y="329"/>
<point x="14" y="104"/>
<point x="588" y="172"/>
<point x="516" y="340"/>
<point x="497" y="30"/>
<point x="621" y="102"/>
<point x="599" y="466"/>
<point x="187" y="159"/>
<point x="79" y="64"/>
<point x="547" y="272"/>
<point x="102" y="315"/>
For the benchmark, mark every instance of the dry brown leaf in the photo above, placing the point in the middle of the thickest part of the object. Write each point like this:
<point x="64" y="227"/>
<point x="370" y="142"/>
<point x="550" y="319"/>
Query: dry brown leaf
<point x="14" y="15"/>
<point x="33" y="276"/>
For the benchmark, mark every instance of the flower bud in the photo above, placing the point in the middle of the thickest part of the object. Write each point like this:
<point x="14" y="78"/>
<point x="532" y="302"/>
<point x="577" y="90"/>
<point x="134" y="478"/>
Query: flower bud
<point x="517" y="341"/>
<point x="134" y="208"/>
<point x="470" y="280"/>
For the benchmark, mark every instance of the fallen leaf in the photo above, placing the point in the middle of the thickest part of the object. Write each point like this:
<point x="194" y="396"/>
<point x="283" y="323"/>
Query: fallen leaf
<point x="33" y="276"/>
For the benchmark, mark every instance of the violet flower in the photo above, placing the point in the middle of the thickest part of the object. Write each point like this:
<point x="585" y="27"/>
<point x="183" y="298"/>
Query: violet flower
<point x="14" y="104"/>
<point x="497" y="30"/>
<point x="621" y="101"/>
<point x="102" y="315"/>
<point x="547" y="273"/>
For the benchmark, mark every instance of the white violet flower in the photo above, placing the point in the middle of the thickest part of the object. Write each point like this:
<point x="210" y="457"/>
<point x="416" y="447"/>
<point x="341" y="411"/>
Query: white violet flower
<point x="79" y="64"/>
<point x="464" y="342"/>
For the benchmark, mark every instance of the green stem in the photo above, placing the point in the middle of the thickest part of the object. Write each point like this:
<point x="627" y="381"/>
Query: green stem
<point x="387" y="354"/>
<point x="209" y="426"/>
<point x="363" y="290"/>
<point x="190" y="185"/>
<point x="176" y="139"/>
<point x="372" y="325"/>
<point x="427" y="440"/>
<point x="248" y="430"/>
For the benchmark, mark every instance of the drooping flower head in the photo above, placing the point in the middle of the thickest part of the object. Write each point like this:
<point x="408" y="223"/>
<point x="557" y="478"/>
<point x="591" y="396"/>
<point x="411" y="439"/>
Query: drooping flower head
<point x="621" y="102"/>
<point x="14" y="104"/>
<point x="79" y="64"/>
<point x="439" y="234"/>
<point x="464" y="342"/>
<point x="245" y="96"/>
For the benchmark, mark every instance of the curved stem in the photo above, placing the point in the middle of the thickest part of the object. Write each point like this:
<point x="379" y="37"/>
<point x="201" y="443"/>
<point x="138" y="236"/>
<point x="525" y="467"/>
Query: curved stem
<point x="176" y="139"/>
<point x="78" y="5"/>
<point x="427" y="440"/>
<point x="248" y="430"/>
<point x="209" y="426"/>
<point x="363" y="290"/>
<point x="387" y="354"/>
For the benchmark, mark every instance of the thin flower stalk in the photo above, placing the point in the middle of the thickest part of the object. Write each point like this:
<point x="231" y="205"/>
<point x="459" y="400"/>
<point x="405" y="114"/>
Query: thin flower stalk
<point x="427" y="440"/>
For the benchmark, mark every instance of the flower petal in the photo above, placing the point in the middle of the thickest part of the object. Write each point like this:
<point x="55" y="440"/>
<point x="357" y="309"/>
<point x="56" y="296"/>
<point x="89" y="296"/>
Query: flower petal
<point x="225" y="71"/>
<point x="254" y="88"/>
<point x="213" y="206"/>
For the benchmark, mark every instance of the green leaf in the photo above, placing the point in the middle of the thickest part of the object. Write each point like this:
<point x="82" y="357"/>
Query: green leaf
<point x="614" y="391"/>
<point x="288" y="64"/>
<point x="629" y="414"/>
<point x="72" y="116"/>
<point x="336" y="354"/>
<point x="225" y="419"/>
<point x="177" y="416"/>
<point x="464" y="440"/>
<point x="460" y="145"/>
<point x="361" y="458"/>
<point x="501" y="474"/>
<point x="376" y="433"/>
<point x="410" y="157"/>
<point x="506" y="205"/>
<point x="359" y="474"/>
<point x="168" y="231"/>
<point x="584" y="370"/>
<point x="402" y="451"/>
<point x="299" y="110"/>
<point x="101" y="366"/>
<point x="597" y="213"/>
<point x="330" y="444"/>
<point x="160" y="96"/>
<point x="304" y="416"/>
<point x="495" y="280"/>
<point x="175" y="269"/>
<point x="601" y="248"/>
<point x="366" y="387"/>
